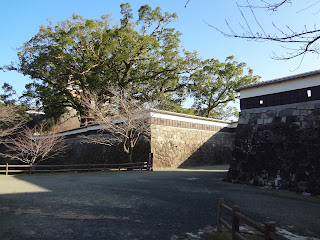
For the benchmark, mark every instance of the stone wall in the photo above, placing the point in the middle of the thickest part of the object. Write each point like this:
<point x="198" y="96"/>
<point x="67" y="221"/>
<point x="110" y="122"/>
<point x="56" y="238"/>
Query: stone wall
<point x="79" y="152"/>
<point x="279" y="147"/>
<point x="177" y="140"/>
<point x="175" y="147"/>
<point x="172" y="147"/>
<point x="84" y="153"/>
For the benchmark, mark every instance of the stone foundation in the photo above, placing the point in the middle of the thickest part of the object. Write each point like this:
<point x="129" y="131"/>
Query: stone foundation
<point x="279" y="147"/>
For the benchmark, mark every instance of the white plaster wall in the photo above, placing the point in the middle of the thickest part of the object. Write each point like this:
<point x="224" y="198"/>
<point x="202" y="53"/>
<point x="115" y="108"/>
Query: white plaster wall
<point x="280" y="86"/>
<point x="192" y="120"/>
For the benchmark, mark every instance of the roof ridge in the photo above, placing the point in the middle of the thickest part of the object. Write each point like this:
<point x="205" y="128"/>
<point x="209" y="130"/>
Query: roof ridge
<point x="299" y="75"/>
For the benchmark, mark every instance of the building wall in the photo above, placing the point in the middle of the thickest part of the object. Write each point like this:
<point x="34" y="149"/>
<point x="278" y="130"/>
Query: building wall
<point x="281" y="85"/>
<point x="181" y="144"/>
<point x="305" y="94"/>
<point x="279" y="146"/>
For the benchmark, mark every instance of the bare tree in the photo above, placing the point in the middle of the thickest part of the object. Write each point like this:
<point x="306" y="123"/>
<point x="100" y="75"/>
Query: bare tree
<point x="124" y="118"/>
<point x="297" y="42"/>
<point x="10" y="121"/>
<point x="32" y="145"/>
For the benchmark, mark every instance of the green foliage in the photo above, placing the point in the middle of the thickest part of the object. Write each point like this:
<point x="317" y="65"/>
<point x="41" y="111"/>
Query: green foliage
<point x="222" y="112"/>
<point x="215" y="84"/>
<point x="10" y="99"/>
<point x="79" y="55"/>
<point x="143" y="56"/>
<point x="18" y="108"/>
<point x="178" y="109"/>
<point x="9" y="94"/>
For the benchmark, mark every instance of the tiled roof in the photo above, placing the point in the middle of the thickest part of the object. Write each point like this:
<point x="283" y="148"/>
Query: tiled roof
<point x="300" y="75"/>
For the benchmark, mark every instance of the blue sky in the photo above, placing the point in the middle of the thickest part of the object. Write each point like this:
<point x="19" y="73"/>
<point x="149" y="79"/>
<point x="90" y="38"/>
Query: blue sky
<point x="20" y="20"/>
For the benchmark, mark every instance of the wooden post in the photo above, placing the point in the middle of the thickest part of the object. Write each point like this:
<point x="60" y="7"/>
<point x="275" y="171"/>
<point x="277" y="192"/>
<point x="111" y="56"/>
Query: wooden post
<point x="89" y="167"/>
<point x="150" y="162"/>
<point x="71" y="167"/>
<point x="270" y="230"/>
<point x="119" y="166"/>
<point x="51" y="168"/>
<point x="235" y="221"/>
<point x="30" y="169"/>
<point x="220" y="214"/>
<point x="7" y="169"/>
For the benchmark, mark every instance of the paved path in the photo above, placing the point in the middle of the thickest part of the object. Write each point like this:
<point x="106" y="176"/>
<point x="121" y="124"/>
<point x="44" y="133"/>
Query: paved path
<point x="138" y="205"/>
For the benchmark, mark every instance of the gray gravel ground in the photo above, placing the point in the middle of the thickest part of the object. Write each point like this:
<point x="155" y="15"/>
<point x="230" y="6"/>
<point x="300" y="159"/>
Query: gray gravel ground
<point x="139" y="205"/>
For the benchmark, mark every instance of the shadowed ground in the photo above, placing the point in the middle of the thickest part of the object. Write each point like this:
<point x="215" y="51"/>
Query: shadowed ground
<point x="139" y="205"/>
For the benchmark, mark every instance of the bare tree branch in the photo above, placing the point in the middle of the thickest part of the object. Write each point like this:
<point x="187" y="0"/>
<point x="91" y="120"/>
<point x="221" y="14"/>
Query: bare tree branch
<point x="32" y="146"/>
<point x="301" y="41"/>
<point x="122" y="117"/>
<point x="186" y="3"/>
<point x="269" y="6"/>
<point x="10" y="122"/>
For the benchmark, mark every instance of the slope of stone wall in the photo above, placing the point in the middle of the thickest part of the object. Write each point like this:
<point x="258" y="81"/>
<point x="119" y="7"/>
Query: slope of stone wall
<point x="279" y="147"/>
<point x="79" y="152"/>
<point x="175" y="147"/>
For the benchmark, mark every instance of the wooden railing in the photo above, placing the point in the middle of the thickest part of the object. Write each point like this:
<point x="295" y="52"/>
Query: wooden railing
<point x="7" y="169"/>
<point x="268" y="230"/>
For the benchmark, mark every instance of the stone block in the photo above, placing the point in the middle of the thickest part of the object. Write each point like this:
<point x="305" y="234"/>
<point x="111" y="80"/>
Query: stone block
<point x="254" y="118"/>
<point x="297" y="124"/>
<point x="242" y="114"/>
<point x="243" y="121"/>
<point x="306" y="106"/>
<point x="312" y="117"/>
<point x="296" y="112"/>
<point x="271" y="113"/>
<point x="267" y="121"/>
<point x="285" y="112"/>
<point x="260" y="121"/>
<point x="305" y="124"/>
<point x="264" y="115"/>
<point x="283" y="119"/>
